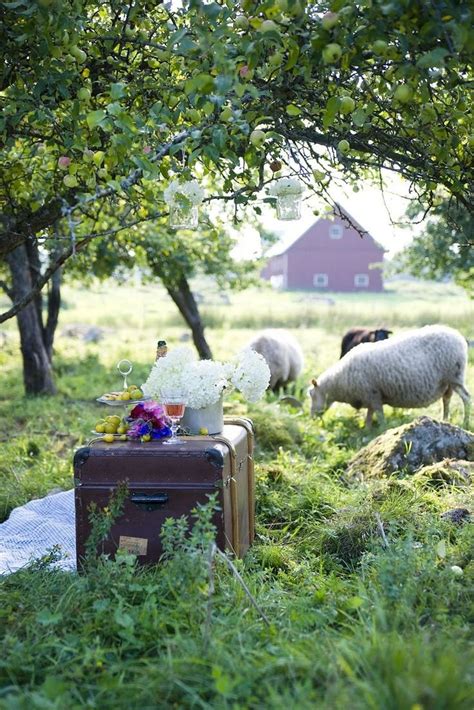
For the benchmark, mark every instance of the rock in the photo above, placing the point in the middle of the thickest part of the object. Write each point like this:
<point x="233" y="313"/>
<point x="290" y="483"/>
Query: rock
<point x="87" y="333"/>
<point x="457" y="515"/>
<point x="407" y="448"/>
<point x="446" y="473"/>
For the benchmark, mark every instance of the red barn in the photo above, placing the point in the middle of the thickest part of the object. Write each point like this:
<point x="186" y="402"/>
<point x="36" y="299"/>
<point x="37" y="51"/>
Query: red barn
<point x="331" y="255"/>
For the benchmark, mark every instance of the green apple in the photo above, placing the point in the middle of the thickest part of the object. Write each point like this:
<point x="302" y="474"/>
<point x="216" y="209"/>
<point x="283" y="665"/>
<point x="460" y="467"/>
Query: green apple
<point x="332" y="53"/>
<point x="84" y="94"/>
<point x="344" y="147"/>
<point x="268" y="26"/>
<point x="275" y="59"/>
<point x="329" y="20"/>
<point x="403" y="94"/>
<point x="242" y="22"/>
<point x="70" y="180"/>
<point x="347" y="105"/>
<point x="380" y="47"/>
<point x="79" y="55"/>
<point x="257" y="137"/>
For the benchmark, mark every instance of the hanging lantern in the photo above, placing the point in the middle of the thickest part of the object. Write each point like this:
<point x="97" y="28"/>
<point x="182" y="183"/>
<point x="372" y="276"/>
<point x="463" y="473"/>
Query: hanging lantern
<point x="288" y="193"/>
<point x="183" y="199"/>
<point x="183" y="216"/>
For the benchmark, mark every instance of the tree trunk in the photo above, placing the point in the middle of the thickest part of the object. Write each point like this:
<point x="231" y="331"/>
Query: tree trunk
<point x="183" y="297"/>
<point x="54" y="305"/>
<point x="37" y="373"/>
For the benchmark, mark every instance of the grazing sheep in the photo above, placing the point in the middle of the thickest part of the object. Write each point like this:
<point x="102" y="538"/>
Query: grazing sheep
<point x="410" y="370"/>
<point x="282" y="353"/>
<point x="355" y="336"/>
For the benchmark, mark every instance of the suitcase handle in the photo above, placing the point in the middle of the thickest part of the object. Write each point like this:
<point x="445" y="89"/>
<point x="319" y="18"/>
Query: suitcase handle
<point x="149" y="501"/>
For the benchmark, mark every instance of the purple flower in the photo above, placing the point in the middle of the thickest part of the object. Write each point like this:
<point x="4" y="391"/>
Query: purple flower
<point x="148" y="418"/>
<point x="160" y="433"/>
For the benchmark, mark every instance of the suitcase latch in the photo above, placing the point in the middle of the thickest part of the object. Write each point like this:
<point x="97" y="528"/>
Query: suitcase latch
<point x="149" y="501"/>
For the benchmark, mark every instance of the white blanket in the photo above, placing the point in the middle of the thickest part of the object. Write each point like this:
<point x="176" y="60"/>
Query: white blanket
<point x="33" y="529"/>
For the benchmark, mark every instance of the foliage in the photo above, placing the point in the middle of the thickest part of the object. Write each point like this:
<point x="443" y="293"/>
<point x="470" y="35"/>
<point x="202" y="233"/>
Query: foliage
<point x="444" y="250"/>
<point x="104" y="103"/>
<point x="353" y="623"/>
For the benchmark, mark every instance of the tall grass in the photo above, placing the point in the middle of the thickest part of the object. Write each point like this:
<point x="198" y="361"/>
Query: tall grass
<point x="356" y="621"/>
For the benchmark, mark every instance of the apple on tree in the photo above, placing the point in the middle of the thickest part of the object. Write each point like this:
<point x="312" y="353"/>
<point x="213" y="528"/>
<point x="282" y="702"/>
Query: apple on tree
<point x="344" y="146"/>
<point x="257" y="137"/>
<point x="332" y="53"/>
<point x="329" y="20"/>
<point x="346" y="105"/>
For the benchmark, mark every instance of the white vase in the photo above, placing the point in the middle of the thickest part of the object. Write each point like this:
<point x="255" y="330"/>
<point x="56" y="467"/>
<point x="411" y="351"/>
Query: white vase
<point x="211" y="419"/>
<point x="183" y="216"/>
<point x="289" y="206"/>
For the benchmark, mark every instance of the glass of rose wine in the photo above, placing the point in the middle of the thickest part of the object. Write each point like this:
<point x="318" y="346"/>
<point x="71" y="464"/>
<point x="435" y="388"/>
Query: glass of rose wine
<point x="174" y="404"/>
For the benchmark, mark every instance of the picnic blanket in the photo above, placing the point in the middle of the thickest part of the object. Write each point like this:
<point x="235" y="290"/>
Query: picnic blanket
<point x="33" y="529"/>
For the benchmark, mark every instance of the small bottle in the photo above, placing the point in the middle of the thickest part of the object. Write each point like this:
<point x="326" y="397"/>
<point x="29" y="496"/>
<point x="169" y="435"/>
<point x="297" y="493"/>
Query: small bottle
<point x="161" y="349"/>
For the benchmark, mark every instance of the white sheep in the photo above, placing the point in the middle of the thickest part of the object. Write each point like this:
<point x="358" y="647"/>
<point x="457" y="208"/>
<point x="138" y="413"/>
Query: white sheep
<point x="282" y="353"/>
<point x="410" y="370"/>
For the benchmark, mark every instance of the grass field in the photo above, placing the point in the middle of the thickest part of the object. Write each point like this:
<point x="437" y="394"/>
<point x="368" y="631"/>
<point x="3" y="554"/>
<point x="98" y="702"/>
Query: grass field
<point x="353" y="623"/>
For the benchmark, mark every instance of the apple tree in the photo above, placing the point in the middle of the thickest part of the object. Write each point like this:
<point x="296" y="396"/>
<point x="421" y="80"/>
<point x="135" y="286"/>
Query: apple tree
<point x="104" y="103"/>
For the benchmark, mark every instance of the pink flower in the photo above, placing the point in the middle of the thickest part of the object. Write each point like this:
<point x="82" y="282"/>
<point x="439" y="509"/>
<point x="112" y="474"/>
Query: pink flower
<point x="147" y="149"/>
<point x="64" y="162"/>
<point x="243" y="71"/>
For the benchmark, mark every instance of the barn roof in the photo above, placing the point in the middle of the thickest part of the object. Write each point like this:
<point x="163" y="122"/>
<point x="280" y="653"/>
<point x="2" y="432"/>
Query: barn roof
<point x="288" y="241"/>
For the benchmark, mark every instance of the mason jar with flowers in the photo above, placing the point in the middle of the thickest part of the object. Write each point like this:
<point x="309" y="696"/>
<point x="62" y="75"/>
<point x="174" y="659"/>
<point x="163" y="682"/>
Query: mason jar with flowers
<point x="183" y="200"/>
<point x="288" y="192"/>
<point x="204" y="384"/>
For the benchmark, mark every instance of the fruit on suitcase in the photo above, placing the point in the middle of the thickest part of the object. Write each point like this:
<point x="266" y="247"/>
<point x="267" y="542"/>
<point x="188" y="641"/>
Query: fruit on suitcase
<point x="109" y="438"/>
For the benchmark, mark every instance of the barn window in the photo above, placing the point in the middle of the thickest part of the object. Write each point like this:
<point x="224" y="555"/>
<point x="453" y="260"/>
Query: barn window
<point x="320" y="280"/>
<point x="361" y="280"/>
<point x="335" y="231"/>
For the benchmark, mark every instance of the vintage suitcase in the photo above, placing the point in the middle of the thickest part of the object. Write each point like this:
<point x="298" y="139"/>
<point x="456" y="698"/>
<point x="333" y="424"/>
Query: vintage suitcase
<point x="168" y="481"/>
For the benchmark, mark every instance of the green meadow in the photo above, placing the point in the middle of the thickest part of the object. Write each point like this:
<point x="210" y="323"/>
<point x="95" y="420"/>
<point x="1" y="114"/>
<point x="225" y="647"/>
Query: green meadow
<point x="354" y="621"/>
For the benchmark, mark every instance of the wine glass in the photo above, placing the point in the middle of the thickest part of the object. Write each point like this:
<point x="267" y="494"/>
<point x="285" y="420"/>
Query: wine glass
<point x="174" y="404"/>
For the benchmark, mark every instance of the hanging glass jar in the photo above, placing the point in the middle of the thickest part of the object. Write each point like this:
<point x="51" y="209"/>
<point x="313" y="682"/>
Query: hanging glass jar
<point x="288" y="206"/>
<point x="288" y="193"/>
<point x="183" y="216"/>
<point x="183" y="200"/>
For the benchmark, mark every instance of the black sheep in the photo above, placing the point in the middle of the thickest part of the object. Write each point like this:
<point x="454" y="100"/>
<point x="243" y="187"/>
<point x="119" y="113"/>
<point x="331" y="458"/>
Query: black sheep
<point x="356" y="336"/>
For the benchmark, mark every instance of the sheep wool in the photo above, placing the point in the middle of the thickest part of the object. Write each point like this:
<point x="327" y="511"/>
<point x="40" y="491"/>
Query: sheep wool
<point x="282" y="353"/>
<point x="410" y="370"/>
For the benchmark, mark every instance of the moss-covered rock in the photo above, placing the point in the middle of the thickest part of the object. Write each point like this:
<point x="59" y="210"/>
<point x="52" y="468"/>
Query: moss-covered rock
<point x="274" y="428"/>
<point x="446" y="473"/>
<point x="407" y="448"/>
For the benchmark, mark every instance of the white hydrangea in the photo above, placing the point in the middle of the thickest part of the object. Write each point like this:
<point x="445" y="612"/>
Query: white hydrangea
<point x="286" y="186"/>
<point x="205" y="382"/>
<point x="251" y="375"/>
<point x="190" y="190"/>
<point x="169" y="373"/>
<point x="202" y="382"/>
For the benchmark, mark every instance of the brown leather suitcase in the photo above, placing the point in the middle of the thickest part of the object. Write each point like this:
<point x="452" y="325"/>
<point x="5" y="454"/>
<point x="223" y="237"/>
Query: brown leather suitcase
<point x="168" y="481"/>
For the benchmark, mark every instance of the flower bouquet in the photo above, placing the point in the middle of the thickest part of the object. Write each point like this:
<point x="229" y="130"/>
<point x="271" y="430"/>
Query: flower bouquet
<point x="204" y="383"/>
<point x="147" y="421"/>
<point x="183" y="199"/>
<point x="288" y="192"/>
